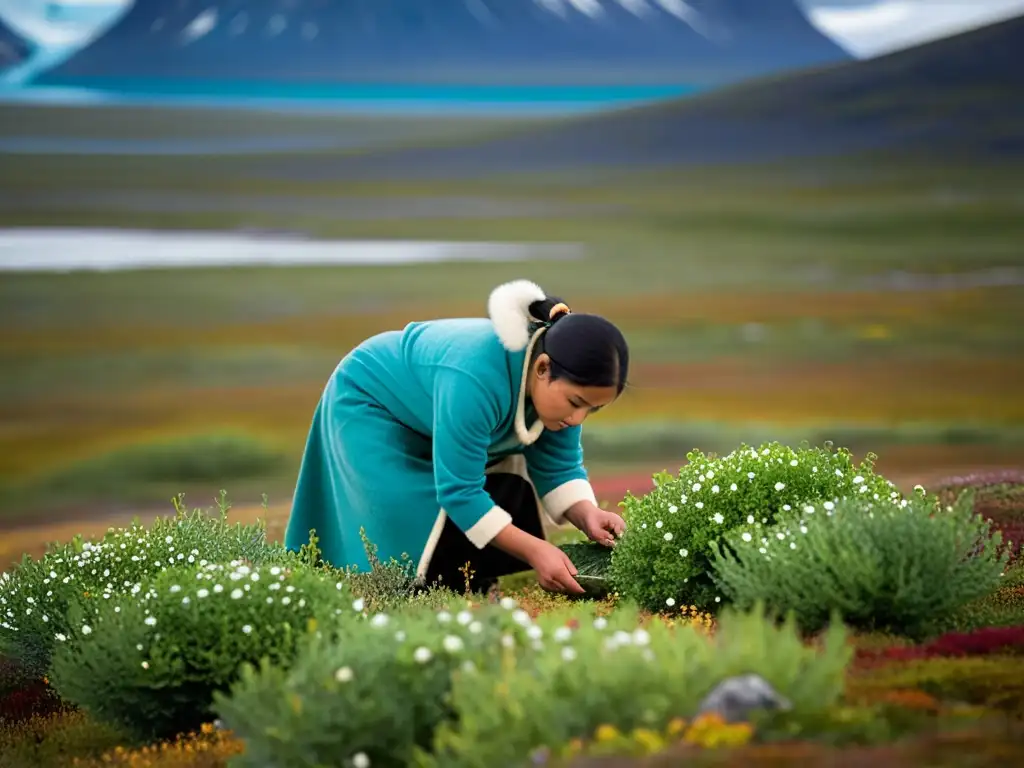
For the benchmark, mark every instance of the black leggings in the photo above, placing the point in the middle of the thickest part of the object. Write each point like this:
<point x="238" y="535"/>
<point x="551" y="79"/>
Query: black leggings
<point x="515" y="495"/>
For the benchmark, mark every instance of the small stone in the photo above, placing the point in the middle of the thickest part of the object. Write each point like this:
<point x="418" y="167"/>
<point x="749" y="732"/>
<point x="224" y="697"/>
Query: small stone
<point x="735" y="698"/>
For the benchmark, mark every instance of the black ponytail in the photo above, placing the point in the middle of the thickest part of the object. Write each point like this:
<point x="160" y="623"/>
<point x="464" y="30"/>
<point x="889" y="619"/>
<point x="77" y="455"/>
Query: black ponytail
<point x="587" y="350"/>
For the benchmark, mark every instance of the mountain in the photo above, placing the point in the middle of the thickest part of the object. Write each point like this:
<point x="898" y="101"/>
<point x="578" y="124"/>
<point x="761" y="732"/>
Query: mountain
<point x="962" y="95"/>
<point x="14" y="49"/>
<point x="696" y="43"/>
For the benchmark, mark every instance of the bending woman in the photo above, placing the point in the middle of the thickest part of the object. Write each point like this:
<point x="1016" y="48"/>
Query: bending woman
<point x="446" y="440"/>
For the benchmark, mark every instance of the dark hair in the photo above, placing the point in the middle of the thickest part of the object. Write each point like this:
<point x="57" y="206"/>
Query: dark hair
<point x="588" y="350"/>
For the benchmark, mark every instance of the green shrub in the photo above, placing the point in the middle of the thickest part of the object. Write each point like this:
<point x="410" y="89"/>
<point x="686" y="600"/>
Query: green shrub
<point x="895" y="567"/>
<point x="612" y="672"/>
<point x="663" y="558"/>
<point x="377" y="690"/>
<point x="149" y="661"/>
<point x="36" y="596"/>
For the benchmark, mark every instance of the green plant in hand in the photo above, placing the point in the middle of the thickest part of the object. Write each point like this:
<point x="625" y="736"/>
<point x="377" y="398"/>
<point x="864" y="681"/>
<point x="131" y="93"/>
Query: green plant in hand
<point x="663" y="560"/>
<point x="900" y="566"/>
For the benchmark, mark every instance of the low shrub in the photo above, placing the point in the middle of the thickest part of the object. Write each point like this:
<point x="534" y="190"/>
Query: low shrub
<point x="885" y="566"/>
<point x="36" y="595"/>
<point x="610" y="672"/>
<point x="149" y="661"/>
<point x="371" y="695"/>
<point x="663" y="560"/>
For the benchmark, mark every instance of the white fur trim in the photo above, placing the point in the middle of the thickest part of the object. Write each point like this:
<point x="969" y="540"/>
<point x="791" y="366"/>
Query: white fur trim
<point x="488" y="526"/>
<point x="527" y="436"/>
<point x="509" y="310"/>
<point x="431" y="546"/>
<point x="558" y="501"/>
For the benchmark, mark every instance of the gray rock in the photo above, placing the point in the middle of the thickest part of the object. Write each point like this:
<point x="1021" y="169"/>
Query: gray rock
<point x="735" y="698"/>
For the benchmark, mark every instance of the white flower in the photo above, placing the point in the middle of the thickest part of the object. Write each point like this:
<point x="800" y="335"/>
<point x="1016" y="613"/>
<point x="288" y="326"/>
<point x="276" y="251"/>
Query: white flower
<point x="150" y="620"/>
<point x="508" y="603"/>
<point x="658" y="524"/>
<point x="534" y="632"/>
<point x="803" y="529"/>
<point x="671" y="601"/>
<point x="568" y="653"/>
<point x="718" y="518"/>
<point x="829" y="505"/>
<point x="379" y="620"/>
<point x="640" y="637"/>
<point x="422" y="654"/>
<point x="343" y="675"/>
<point x="683" y="552"/>
<point x="453" y="643"/>
<point x="668" y="536"/>
<point x="750" y="519"/>
<point x="779" y="486"/>
<point x="700" y="505"/>
<point x="247" y="628"/>
<point x="357" y="605"/>
<point x="203" y="593"/>
<point x="562" y="634"/>
<point x="793" y="462"/>
<point x="715" y="489"/>
<point x="696" y="486"/>
<point x="464" y="617"/>
<point x="444" y="617"/>
<point x="858" y="480"/>
<point x="673" y="509"/>
<point x="600" y="622"/>
<point x="747" y="537"/>
<point x="476" y="627"/>
<point x="236" y="593"/>
<point x="145" y="665"/>
<point x="360" y="760"/>
<point x="750" y="475"/>
<point x="710" y="474"/>
<point x="61" y="636"/>
<point x="733" y="487"/>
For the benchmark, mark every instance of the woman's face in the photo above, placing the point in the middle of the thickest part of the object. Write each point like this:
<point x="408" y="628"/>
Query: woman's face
<point x="561" y="403"/>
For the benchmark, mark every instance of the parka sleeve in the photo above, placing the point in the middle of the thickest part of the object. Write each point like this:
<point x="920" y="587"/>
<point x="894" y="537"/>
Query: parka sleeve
<point x="555" y="464"/>
<point x="465" y="416"/>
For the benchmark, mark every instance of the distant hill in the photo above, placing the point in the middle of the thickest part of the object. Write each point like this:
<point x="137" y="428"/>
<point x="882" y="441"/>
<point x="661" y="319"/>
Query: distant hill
<point x="187" y="45"/>
<point x="14" y="49"/>
<point x="963" y="95"/>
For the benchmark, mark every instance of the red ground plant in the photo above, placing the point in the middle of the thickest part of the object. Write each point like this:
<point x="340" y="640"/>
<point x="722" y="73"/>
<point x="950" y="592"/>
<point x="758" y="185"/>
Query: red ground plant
<point x="981" y="642"/>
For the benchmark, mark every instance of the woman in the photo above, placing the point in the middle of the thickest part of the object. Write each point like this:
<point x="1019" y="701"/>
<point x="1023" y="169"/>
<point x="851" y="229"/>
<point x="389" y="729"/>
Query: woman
<point x="420" y="439"/>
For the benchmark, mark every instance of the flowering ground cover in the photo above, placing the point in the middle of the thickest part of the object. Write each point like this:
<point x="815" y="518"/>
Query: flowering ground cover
<point x="774" y="604"/>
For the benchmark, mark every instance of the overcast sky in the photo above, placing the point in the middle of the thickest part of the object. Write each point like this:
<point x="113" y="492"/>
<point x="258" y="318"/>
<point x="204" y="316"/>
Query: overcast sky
<point x="863" y="27"/>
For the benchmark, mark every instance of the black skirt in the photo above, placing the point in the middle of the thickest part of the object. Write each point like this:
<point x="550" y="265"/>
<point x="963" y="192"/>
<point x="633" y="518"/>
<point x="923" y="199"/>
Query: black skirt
<point x="454" y="551"/>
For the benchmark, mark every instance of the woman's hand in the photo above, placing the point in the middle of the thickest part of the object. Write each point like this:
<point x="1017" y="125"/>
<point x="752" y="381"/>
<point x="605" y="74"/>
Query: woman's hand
<point x="553" y="567"/>
<point x="600" y="526"/>
<point x="555" y="571"/>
